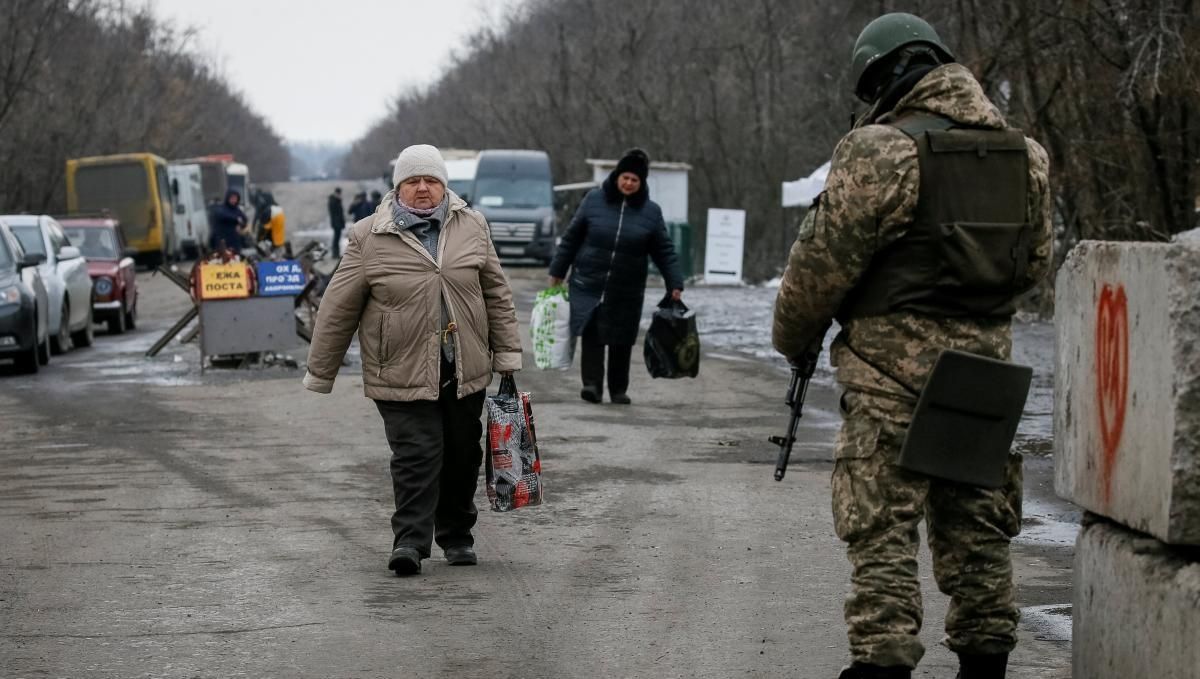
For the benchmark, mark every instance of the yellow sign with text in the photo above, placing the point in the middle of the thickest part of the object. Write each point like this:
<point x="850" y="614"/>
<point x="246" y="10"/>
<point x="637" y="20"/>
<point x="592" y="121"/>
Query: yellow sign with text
<point x="224" y="281"/>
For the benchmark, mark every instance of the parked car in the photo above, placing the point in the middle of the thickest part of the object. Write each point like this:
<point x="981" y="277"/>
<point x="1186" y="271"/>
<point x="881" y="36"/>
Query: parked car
<point x="66" y="277"/>
<point x="191" y="211"/>
<point x="111" y="266"/>
<point x="24" y="305"/>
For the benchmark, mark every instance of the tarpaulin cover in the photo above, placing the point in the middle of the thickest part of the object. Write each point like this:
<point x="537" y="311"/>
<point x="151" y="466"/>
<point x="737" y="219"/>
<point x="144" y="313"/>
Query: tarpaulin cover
<point x="513" y="465"/>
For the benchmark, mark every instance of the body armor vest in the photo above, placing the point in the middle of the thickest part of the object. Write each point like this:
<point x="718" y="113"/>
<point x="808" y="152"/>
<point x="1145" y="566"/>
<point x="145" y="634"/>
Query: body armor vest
<point x="967" y="250"/>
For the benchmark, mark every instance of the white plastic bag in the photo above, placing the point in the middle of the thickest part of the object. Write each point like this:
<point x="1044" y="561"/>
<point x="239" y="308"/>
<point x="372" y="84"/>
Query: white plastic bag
<point x="550" y="326"/>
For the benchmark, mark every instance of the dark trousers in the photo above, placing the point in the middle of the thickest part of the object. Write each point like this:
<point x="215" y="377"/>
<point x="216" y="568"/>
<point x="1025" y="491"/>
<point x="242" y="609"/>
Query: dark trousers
<point x="435" y="467"/>
<point x="591" y="362"/>
<point x="337" y="241"/>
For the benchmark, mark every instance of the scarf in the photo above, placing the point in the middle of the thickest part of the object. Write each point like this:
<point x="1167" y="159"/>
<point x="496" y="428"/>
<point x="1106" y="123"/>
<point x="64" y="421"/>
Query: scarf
<point x="426" y="225"/>
<point x="416" y="211"/>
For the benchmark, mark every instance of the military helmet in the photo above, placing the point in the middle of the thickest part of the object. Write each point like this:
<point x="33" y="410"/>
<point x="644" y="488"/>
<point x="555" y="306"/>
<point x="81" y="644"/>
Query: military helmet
<point x="885" y="36"/>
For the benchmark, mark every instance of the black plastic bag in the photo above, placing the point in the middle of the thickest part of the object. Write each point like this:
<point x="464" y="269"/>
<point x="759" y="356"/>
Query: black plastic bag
<point x="672" y="345"/>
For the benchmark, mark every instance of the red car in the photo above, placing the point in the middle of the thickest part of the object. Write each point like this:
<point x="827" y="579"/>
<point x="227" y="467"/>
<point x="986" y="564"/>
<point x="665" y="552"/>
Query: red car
<point x="110" y="264"/>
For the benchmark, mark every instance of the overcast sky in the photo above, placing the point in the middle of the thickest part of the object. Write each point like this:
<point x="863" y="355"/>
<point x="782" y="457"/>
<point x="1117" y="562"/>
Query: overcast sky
<point x="326" y="70"/>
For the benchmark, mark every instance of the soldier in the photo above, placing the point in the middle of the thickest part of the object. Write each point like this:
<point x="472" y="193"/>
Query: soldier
<point x="934" y="218"/>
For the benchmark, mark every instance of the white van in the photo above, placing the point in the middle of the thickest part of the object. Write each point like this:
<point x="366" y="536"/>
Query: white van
<point x="461" y="174"/>
<point x="237" y="178"/>
<point x="191" y="213"/>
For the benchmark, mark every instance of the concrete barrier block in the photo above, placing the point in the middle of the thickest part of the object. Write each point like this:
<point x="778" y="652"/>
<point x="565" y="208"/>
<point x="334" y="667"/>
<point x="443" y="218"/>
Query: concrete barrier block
<point x="1127" y="385"/>
<point x="1136" y="608"/>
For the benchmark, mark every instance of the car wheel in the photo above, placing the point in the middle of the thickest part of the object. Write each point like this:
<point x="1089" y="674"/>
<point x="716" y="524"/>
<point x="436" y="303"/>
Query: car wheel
<point x="117" y="324"/>
<point x="86" y="335"/>
<point x="43" y="351"/>
<point x="61" y="343"/>
<point x="28" y="362"/>
<point x="131" y="318"/>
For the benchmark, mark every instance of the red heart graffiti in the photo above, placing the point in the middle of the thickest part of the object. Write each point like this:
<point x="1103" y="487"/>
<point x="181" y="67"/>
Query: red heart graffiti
<point x="1112" y="375"/>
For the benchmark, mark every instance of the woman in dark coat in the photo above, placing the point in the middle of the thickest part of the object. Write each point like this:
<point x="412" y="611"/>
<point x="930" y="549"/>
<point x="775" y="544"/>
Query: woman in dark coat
<point x="605" y="249"/>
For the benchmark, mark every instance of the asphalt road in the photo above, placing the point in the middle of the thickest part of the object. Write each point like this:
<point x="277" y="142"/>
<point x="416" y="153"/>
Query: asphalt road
<point x="156" y="522"/>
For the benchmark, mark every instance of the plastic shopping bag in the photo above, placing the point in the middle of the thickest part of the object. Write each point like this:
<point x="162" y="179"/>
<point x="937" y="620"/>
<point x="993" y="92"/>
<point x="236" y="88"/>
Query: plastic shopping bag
<point x="672" y="345"/>
<point x="550" y="325"/>
<point x="513" y="466"/>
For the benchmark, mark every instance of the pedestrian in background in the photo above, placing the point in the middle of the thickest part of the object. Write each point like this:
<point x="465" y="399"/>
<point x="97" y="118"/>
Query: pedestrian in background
<point x="262" y="200"/>
<point x="880" y="253"/>
<point x="376" y="199"/>
<point x="228" y="223"/>
<point x="337" y="219"/>
<point x="422" y="285"/>
<point x="605" y="250"/>
<point x="360" y="208"/>
<point x="276" y="228"/>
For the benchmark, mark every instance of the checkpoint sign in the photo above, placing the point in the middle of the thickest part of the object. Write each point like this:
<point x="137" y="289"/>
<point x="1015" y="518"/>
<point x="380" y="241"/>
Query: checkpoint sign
<point x="223" y="281"/>
<point x="280" y="278"/>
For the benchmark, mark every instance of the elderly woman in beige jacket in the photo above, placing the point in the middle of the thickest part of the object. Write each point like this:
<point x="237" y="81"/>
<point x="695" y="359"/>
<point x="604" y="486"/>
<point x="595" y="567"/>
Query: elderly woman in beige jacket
<point x="421" y="284"/>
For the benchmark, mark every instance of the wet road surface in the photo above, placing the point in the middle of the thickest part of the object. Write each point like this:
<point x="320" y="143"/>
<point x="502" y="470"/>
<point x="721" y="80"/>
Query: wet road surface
<point x="157" y="522"/>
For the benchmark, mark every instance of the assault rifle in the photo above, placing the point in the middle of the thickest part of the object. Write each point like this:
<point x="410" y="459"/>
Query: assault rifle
<point x="802" y="372"/>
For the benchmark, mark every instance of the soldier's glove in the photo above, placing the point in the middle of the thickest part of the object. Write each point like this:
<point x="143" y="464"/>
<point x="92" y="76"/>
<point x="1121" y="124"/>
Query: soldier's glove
<point x="805" y="363"/>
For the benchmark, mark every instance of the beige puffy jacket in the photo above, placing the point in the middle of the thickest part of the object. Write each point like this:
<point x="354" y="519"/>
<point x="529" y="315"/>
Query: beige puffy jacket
<point x="389" y="289"/>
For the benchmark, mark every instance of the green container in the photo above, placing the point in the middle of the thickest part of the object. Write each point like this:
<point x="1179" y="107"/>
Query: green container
<point x="681" y="236"/>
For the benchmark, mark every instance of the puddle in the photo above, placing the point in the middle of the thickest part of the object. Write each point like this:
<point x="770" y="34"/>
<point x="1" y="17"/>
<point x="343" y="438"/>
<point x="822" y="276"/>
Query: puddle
<point x="1051" y="622"/>
<point x="1047" y="525"/>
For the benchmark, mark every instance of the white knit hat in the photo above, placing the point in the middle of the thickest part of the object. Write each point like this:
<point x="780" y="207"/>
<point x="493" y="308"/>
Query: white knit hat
<point x="421" y="160"/>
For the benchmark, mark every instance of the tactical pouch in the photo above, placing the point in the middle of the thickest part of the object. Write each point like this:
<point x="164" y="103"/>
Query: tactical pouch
<point x="983" y="258"/>
<point x="966" y="419"/>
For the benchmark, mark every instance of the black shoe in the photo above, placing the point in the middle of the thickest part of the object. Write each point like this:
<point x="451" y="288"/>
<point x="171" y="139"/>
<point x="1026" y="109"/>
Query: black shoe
<point x="865" y="671"/>
<point x="590" y="394"/>
<point x="405" y="560"/>
<point x="461" y="556"/>
<point x="621" y="399"/>
<point x="992" y="666"/>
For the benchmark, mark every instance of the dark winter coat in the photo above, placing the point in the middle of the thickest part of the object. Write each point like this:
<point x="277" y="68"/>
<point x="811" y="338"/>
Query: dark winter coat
<point x="606" y="249"/>
<point x="225" y="220"/>
<point x="361" y="209"/>
<point x="337" y="216"/>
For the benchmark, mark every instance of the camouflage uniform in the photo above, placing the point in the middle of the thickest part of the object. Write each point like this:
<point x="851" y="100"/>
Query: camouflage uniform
<point x="882" y="361"/>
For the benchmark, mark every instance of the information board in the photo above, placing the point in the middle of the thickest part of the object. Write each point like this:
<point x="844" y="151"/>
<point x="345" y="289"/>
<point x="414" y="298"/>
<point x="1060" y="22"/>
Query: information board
<point x="723" y="246"/>
<point x="223" y="281"/>
<point x="280" y="278"/>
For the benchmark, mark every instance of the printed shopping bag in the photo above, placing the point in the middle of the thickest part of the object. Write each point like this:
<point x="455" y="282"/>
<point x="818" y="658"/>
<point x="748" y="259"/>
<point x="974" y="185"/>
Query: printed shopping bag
<point x="513" y="466"/>
<point x="550" y="326"/>
<point x="672" y="345"/>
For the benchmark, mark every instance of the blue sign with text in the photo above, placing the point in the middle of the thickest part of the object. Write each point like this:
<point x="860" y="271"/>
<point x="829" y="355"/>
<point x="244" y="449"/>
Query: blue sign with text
<point x="280" y="278"/>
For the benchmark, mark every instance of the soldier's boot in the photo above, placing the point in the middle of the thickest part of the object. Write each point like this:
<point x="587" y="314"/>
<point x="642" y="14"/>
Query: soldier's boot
<point x="865" y="671"/>
<point x="991" y="666"/>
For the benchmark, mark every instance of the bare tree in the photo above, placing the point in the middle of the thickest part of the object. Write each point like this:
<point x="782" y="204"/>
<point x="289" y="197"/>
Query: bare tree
<point x="127" y="82"/>
<point x="755" y="92"/>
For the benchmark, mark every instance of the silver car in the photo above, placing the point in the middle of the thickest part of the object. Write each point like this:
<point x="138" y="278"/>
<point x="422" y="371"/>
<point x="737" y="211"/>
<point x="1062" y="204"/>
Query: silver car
<point x="66" y="277"/>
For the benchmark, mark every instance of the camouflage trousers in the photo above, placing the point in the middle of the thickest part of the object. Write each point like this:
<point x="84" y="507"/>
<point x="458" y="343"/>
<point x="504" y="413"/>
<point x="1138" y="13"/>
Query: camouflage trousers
<point x="877" y="509"/>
